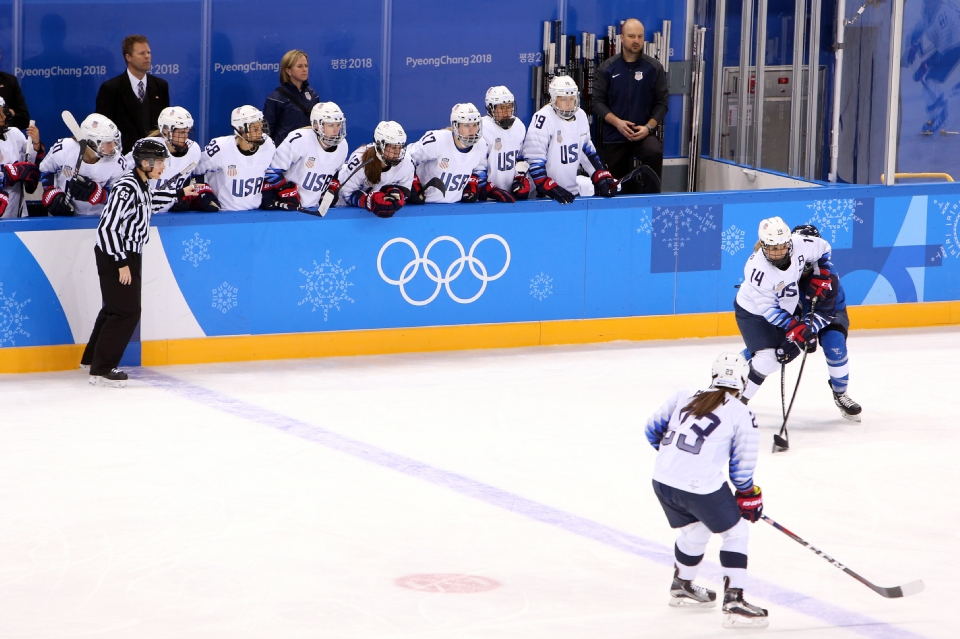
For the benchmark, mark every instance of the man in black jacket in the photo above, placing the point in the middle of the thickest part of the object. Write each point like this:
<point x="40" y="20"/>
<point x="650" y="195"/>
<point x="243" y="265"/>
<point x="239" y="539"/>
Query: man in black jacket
<point x="631" y="97"/>
<point x="134" y="99"/>
<point x="19" y="117"/>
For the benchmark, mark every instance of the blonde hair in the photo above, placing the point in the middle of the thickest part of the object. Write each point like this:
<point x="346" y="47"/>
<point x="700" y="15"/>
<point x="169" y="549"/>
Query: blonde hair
<point x="287" y="61"/>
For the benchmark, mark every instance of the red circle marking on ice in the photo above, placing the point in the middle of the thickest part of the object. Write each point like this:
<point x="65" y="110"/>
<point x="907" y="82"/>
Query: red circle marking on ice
<point x="447" y="583"/>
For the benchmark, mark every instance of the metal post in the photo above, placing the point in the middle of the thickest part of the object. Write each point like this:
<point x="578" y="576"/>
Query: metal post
<point x="16" y="44"/>
<point x="743" y="86"/>
<point x="761" y="83"/>
<point x="719" y="106"/>
<point x="893" y="94"/>
<point x="837" y="86"/>
<point x="206" y="65"/>
<point x="796" y="96"/>
<point x="813" y="92"/>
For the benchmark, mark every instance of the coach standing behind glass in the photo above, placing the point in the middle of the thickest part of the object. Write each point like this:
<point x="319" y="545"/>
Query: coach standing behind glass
<point x="631" y="96"/>
<point x="288" y="107"/>
<point x="134" y="99"/>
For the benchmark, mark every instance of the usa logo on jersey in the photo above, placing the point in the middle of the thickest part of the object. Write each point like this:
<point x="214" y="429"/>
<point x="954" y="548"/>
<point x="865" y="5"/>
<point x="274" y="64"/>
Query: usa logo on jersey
<point x="232" y="170"/>
<point x="444" y="163"/>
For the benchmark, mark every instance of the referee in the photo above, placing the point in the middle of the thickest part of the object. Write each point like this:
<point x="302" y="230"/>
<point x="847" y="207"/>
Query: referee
<point x="122" y="232"/>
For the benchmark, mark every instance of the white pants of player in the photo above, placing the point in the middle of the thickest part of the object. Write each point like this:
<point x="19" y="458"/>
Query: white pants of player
<point x="693" y="542"/>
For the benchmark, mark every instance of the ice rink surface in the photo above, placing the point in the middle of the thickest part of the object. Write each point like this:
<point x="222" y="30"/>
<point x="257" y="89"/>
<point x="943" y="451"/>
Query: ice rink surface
<point x="320" y="498"/>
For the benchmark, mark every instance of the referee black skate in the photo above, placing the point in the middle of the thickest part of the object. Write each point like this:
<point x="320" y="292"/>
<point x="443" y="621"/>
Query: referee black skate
<point x="123" y="230"/>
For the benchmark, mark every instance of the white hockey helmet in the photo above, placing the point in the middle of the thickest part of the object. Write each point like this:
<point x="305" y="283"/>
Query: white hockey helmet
<point x="465" y="113"/>
<point x="775" y="241"/>
<point x="6" y="114"/>
<point x="730" y="370"/>
<point x="563" y="86"/>
<point x="389" y="133"/>
<point x="99" y="131"/>
<point x="244" y="119"/>
<point x="328" y="113"/>
<point x="497" y="96"/>
<point x="172" y="119"/>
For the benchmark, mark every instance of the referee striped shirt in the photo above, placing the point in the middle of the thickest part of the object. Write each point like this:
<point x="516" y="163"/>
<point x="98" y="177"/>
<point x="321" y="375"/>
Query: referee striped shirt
<point x="125" y="220"/>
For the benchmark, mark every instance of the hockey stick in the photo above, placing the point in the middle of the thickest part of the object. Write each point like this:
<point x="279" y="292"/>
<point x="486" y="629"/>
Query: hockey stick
<point x="781" y="441"/>
<point x="71" y="123"/>
<point x="906" y="590"/>
<point x="184" y="171"/>
<point x="327" y="200"/>
<point x="436" y="183"/>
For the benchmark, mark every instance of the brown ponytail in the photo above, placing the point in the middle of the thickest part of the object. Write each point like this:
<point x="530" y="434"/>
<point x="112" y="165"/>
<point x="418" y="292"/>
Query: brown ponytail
<point x="708" y="401"/>
<point x="374" y="170"/>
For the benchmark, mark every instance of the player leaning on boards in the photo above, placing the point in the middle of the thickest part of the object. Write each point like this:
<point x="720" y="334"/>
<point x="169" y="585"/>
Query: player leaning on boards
<point x="457" y="157"/>
<point x="19" y="173"/>
<point x="385" y="180"/>
<point x="234" y="165"/>
<point x="558" y="142"/>
<point x="305" y="164"/>
<point x="123" y="230"/>
<point x="75" y="184"/>
<point x="504" y="135"/>
<point x="700" y="436"/>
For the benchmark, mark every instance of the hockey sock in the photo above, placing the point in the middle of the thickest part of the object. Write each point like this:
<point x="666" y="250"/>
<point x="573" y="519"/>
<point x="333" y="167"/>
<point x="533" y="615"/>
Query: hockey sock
<point x="834" y="345"/>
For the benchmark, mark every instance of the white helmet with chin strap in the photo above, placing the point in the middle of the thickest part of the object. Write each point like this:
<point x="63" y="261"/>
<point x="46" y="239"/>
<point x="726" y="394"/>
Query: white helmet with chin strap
<point x="465" y="113"/>
<point x="172" y="119"/>
<point x="563" y="86"/>
<point x="241" y="120"/>
<point x="389" y="133"/>
<point x="497" y="96"/>
<point x="99" y="130"/>
<point x="730" y="370"/>
<point x="775" y="232"/>
<point x="328" y="113"/>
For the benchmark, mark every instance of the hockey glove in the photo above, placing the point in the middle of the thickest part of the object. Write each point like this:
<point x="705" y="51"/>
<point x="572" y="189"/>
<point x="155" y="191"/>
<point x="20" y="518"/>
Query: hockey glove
<point x="521" y="186"/>
<point x="751" y="504"/>
<point x="19" y="172"/>
<point x="800" y="332"/>
<point x="819" y="285"/>
<point x="287" y="198"/>
<point x="4" y="203"/>
<point x="57" y="203"/>
<point x="500" y="195"/>
<point x="471" y="190"/>
<point x="416" y="192"/>
<point x="84" y="189"/>
<point x="604" y="184"/>
<point x="204" y="199"/>
<point x="548" y="187"/>
<point x="383" y="204"/>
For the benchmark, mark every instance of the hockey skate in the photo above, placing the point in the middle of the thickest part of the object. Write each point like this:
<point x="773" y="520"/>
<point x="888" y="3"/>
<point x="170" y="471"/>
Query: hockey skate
<point x="116" y="378"/>
<point x="684" y="594"/>
<point x="849" y="409"/>
<point x="737" y="613"/>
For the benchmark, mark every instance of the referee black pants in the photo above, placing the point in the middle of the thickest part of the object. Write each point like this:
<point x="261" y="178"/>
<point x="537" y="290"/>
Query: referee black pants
<point x="619" y="159"/>
<point x="119" y="316"/>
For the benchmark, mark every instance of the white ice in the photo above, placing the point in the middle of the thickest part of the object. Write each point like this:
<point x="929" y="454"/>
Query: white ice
<point x="235" y="501"/>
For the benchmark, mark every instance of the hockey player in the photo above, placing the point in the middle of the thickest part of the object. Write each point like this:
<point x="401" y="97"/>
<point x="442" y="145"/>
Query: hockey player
<point x="458" y="157"/>
<point x="305" y="164"/>
<point x="234" y="165"/>
<point x="558" y="142"/>
<point x="174" y="127"/>
<point x="18" y="171"/>
<point x="832" y="305"/>
<point x="384" y="183"/>
<point x="767" y="306"/>
<point x="700" y="436"/>
<point x="939" y="29"/>
<point x="504" y="135"/>
<point x="84" y="193"/>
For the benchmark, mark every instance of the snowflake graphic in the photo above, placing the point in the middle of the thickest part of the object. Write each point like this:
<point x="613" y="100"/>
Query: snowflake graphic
<point x="645" y="225"/>
<point x="677" y="226"/>
<point x="196" y="250"/>
<point x="224" y="297"/>
<point x="326" y="286"/>
<point x="951" y="213"/>
<point x="831" y="216"/>
<point x="541" y="286"/>
<point x="11" y="318"/>
<point x="731" y="240"/>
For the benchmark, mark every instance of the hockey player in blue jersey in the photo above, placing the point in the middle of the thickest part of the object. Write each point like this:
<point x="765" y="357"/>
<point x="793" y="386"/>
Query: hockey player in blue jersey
<point x="701" y="437"/>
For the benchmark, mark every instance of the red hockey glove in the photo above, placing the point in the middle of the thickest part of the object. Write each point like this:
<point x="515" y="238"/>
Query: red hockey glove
<point x="471" y="190"/>
<point x="751" y="504"/>
<point x="548" y="187"/>
<point x="604" y="184"/>
<point x="382" y="204"/>
<point x="500" y="195"/>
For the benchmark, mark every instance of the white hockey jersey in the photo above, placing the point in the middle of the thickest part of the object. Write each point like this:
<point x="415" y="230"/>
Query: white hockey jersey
<point x="302" y="161"/>
<point x="15" y="148"/>
<point x="696" y="454"/>
<point x="352" y="189"/>
<point x="173" y="166"/>
<point x="504" y="150"/>
<point x="555" y="147"/>
<point x="774" y="294"/>
<point x="436" y="154"/>
<point x="236" y="179"/>
<point x="57" y="168"/>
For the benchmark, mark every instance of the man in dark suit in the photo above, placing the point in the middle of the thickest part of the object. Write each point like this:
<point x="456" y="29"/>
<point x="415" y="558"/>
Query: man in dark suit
<point x="134" y="99"/>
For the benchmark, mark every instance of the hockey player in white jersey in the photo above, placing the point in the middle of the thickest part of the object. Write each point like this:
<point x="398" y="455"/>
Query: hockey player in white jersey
<point x="84" y="193"/>
<point x="504" y="135"/>
<point x="457" y="157"/>
<point x="234" y="165"/>
<point x="386" y="179"/>
<point x="305" y="164"/>
<point x="19" y="155"/>
<point x="701" y="437"/>
<point x="771" y="320"/>
<point x="558" y="143"/>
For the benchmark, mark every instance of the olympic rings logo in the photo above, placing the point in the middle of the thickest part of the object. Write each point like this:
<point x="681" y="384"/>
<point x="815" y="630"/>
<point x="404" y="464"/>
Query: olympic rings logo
<point x="433" y="272"/>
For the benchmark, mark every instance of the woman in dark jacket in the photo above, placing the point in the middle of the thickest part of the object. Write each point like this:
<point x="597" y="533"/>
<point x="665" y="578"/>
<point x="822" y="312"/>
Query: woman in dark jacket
<point x="288" y="107"/>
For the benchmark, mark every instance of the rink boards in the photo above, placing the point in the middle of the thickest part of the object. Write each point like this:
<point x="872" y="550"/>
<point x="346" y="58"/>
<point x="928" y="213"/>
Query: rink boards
<point x="266" y="285"/>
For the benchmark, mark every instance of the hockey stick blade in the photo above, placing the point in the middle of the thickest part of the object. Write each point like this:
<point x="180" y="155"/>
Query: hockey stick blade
<point x="71" y="123"/>
<point x="327" y="200"/>
<point x="780" y="444"/>
<point x="629" y="176"/>
<point x="895" y="592"/>
<point x="436" y="183"/>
